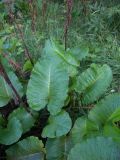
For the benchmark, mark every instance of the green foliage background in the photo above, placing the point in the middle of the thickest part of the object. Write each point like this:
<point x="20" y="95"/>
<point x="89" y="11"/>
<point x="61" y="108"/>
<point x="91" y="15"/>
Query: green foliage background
<point x="67" y="108"/>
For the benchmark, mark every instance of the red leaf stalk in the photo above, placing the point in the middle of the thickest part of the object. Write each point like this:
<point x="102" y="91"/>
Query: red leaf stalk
<point x="68" y="20"/>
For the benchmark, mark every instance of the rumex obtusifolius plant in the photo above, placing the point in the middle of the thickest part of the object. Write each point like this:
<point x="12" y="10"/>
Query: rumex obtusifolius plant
<point x="54" y="80"/>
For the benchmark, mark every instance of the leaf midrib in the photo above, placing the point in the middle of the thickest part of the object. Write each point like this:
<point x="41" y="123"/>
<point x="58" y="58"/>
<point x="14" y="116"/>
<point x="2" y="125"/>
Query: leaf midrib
<point x="49" y="81"/>
<point x="65" y="59"/>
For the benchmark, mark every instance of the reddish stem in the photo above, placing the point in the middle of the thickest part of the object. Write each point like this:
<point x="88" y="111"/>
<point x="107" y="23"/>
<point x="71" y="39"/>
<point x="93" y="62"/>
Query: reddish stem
<point x="68" y="20"/>
<point x="33" y="13"/>
<point x="7" y="79"/>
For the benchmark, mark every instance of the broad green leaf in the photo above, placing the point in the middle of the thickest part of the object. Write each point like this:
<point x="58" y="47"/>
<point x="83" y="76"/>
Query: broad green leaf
<point x="25" y="118"/>
<point x="11" y="133"/>
<point x="93" y="82"/>
<point x="58" y="125"/>
<point x="53" y="49"/>
<point x="48" y="85"/>
<point x="99" y="148"/>
<point x="80" y="52"/>
<point x="79" y="129"/>
<point x="58" y="148"/>
<point x="16" y="83"/>
<point x="115" y="117"/>
<point x="57" y="53"/>
<point x="105" y="110"/>
<point x="36" y="156"/>
<point x="6" y="93"/>
<point x="30" y="148"/>
<point x="1" y="45"/>
<point x="70" y="64"/>
<point x="27" y="66"/>
<point x="83" y="128"/>
<point x="113" y="131"/>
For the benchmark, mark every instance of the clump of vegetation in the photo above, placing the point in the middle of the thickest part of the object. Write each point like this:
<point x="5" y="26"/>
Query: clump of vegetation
<point x="59" y="65"/>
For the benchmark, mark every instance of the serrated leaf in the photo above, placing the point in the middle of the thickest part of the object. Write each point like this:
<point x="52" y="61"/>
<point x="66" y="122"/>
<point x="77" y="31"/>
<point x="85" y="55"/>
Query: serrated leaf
<point x="99" y="148"/>
<point x="48" y="85"/>
<point x="30" y="148"/>
<point x="58" y="125"/>
<point x="26" y="119"/>
<point x="11" y="133"/>
<point x="58" y="148"/>
<point x="93" y="82"/>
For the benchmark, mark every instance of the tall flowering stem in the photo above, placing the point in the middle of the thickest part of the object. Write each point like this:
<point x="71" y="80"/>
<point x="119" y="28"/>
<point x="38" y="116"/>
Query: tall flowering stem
<point x="44" y="11"/>
<point x="44" y="7"/>
<point x="33" y="11"/>
<point x="68" y="20"/>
